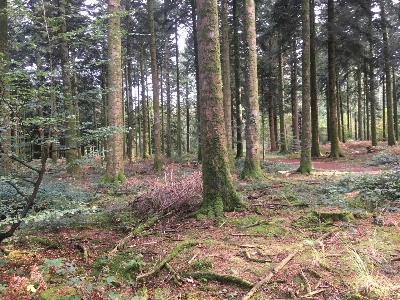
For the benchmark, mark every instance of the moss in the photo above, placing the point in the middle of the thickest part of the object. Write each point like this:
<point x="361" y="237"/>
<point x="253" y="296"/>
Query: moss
<point x="305" y="165"/>
<point x="45" y="242"/>
<point x="251" y="170"/>
<point x="319" y="220"/>
<point x="143" y="226"/>
<point x="118" y="178"/>
<point x="222" y="278"/>
<point x="58" y="293"/>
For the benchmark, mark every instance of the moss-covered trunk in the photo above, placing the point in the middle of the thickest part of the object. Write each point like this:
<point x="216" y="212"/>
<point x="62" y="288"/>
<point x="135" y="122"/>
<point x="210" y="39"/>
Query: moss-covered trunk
<point x="252" y="166"/>
<point x="238" y="93"/>
<point x="218" y="192"/>
<point x="305" y="157"/>
<point x="226" y="78"/>
<point x="115" y="151"/>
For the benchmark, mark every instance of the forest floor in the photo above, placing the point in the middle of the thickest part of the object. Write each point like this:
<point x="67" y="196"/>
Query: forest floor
<point x="333" y="234"/>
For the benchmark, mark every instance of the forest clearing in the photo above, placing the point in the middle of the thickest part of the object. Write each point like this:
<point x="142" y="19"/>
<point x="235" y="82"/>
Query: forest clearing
<point x="333" y="234"/>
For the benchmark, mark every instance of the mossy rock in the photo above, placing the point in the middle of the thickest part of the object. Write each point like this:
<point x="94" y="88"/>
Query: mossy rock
<point x="60" y="292"/>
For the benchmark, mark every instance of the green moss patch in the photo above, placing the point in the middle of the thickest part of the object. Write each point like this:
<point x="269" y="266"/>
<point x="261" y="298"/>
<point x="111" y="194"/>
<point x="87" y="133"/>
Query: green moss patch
<point x="58" y="293"/>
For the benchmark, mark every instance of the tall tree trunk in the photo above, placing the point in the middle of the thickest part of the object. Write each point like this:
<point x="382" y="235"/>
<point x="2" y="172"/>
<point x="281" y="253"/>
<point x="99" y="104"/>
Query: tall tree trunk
<point x="293" y="96"/>
<point x="218" y="192"/>
<point x="178" y="96"/>
<point x="187" y="118"/>
<point x="145" y="144"/>
<point x="396" y="117"/>
<point x="282" y="129"/>
<point x="238" y="93"/>
<point x="168" y="104"/>
<point x="271" y="118"/>
<point x="71" y="154"/>
<point x="366" y="99"/>
<point x="384" y="109"/>
<point x="115" y="156"/>
<point x="388" y="75"/>
<point x="359" y="105"/>
<point x="252" y="167"/>
<point x="372" y="98"/>
<point x="305" y="157"/>
<point x="333" y="117"/>
<point x="226" y="78"/>
<point x="315" y="149"/>
<point x="156" y="89"/>
<point x="5" y="133"/>
<point x="129" y="98"/>
<point x="196" y="63"/>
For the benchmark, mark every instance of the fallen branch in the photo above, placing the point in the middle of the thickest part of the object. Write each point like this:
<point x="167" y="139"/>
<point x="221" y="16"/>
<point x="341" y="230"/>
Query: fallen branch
<point x="169" y="257"/>
<point x="222" y="278"/>
<point x="177" y="279"/>
<point x="248" y="256"/>
<point x="269" y="276"/>
<point x="136" y="231"/>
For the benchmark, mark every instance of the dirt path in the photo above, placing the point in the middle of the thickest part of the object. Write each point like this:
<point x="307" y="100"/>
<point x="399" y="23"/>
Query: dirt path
<point x="356" y="163"/>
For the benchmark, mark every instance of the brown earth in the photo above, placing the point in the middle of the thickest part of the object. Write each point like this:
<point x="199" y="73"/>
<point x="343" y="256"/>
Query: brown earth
<point x="307" y="255"/>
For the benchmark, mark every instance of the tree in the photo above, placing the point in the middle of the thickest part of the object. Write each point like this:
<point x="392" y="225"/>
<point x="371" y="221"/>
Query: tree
<point x="115" y="142"/>
<point x="252" y="168"/>
<point x="5" y="132"/>
<point x="226" y="77"/>
<point x="332" y="101"/>
<point x="388" y="77"/>
<point x="218" y="192"/>
<point x="71" y="154"/>
<point x="305" y="157"/>
<point x="156" y="90"/>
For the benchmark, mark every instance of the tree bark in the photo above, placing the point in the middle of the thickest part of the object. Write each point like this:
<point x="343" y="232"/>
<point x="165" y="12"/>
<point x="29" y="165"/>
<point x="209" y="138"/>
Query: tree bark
<point x="238" y="90"/>
<point x="282" y="131"/>
<point x="178" y="97"/>
<point x="218" y="192"/>
<point x="252" y="167"/>
<point x="305" y="157"/>
<point x="71" y="154"/>
<point x="145" y="134"/>
<point x="226" y="78"/>
<point x="115" y="154"/>
<point x="359" y="105"/>
<point x="293" y="96"/>
<point x="333" y="117"/>
<point x="157" y="165"/>
<point x="388" y="75"/>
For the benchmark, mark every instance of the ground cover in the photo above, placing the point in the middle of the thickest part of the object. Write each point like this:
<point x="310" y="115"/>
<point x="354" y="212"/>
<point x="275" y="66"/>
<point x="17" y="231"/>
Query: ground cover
<point x="333" y="234"/>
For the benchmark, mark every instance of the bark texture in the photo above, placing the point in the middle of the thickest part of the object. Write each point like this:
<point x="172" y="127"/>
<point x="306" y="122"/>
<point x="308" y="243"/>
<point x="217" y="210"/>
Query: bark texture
<point x="252" y="168"/>
<point x="115" y="155"/>
<point x="218" y="192"/>
<point x="156" y="90"/>
<point x="305" y="157"/>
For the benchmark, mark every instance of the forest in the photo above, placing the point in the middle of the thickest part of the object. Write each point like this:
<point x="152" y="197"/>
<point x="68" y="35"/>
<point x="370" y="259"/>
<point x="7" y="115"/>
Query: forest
<point x="199" y="149"/>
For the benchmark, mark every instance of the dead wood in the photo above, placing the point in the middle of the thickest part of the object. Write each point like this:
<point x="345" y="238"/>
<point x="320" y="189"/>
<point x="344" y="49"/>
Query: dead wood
<point x="269" y="275"/>
<point x="169" y="257"/>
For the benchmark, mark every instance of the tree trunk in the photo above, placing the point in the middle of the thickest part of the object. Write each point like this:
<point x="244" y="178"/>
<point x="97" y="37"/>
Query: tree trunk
<point x="372" y="98"/>
<point x="156" y="90"/>
<point x="282" y="131"/>
<point x="218" y="192"/>
<point x="396" y="117"/>
<point x="271" y="119"/>
<point x="252" y="168"/>
<point x="305" y="157"/>
<point x="226" y="78"/>
<point x="196" y="63"/>
<point x="315" y="149"/>
<point x="5" y="133"/>
<point x="145" y="135"/>
<point x="384" y="109"/>
<point x="178" y="97"/>
<point x="168" y="104"/>
<point x="388" y="75"/>
<point x="129" y="98"/>
<point x="333" y="117"/>
<point x="238" y="93"/>
<point x="366" y="99"/>
<point x="115" y="156"/>
<point x="293" y="96"/>
<point x="359" y="105"/>
<point x="71" y="154"/>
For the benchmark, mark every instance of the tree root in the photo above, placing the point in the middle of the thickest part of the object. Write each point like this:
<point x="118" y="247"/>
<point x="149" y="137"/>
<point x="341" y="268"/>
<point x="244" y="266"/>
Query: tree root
<point x="222" y="278"/>
<point x="169" y="257"/>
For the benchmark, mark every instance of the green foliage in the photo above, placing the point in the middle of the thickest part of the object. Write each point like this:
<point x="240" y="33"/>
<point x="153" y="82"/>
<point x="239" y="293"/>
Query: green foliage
<point x="375" y="192"/>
